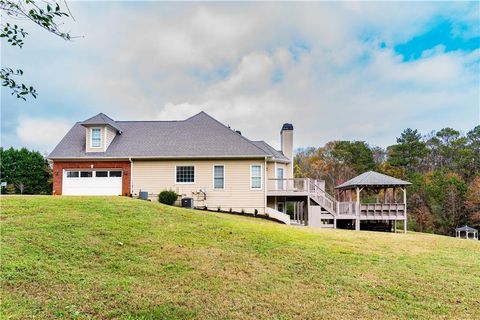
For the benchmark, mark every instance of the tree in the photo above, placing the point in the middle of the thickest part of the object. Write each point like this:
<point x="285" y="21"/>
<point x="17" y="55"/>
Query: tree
<point x="472" y="202"/>
<point x="472" y="153"/>
<point x="445" y="194"/>
<point x="45" y="15"/>
<point x="408" y="152"/>
<point x="357" y="154"/>
<point x="448" y="150"/>
<point x="20" y="186"/>
<point x="27" y="171"/>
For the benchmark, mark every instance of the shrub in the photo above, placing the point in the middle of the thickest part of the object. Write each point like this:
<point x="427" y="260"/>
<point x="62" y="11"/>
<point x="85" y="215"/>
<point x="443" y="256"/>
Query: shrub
<point x="167" y="197"/>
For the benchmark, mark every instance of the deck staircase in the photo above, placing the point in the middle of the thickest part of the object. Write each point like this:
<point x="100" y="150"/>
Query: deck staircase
<point x="321" y="198"/>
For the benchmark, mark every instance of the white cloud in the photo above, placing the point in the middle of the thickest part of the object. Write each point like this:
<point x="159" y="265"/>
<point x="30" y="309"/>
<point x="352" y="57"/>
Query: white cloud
<point x="257" y="65"/>
<point x="42" y="134"/>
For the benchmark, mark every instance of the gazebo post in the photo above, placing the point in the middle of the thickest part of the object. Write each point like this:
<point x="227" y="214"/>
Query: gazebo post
<point x="405" y="207"/>
<point x="357" y="221"/>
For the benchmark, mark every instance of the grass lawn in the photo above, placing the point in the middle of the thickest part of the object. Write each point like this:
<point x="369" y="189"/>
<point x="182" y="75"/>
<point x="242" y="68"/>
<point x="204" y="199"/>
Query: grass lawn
<point x="121" y="258"/>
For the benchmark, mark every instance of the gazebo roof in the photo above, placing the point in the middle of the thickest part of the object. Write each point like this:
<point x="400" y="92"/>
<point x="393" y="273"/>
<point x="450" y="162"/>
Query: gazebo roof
<point x="466" y="228"/>
<point x="372" y="179"/>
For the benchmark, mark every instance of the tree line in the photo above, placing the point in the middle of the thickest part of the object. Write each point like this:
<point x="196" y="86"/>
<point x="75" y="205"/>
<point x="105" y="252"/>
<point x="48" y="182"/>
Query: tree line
<point x="24" y="172"/>
<point x="443" y="167"/>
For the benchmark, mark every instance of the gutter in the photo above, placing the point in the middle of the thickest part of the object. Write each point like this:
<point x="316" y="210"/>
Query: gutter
<point x="80" y="158"/>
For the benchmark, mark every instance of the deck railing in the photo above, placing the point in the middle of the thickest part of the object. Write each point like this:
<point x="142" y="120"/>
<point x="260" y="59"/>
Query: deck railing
<point x="303" y="186"/>
<point x="347" y="208"/>
<point x="289" y="185"/>
<point x="379" y="209"/>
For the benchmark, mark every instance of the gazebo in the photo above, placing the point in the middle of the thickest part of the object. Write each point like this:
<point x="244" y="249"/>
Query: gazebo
<point x="387" y="209"/>
<point x="467" y="231"/>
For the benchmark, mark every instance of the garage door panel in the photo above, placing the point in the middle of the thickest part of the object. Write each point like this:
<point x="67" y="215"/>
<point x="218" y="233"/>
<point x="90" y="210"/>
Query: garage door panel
<point x="91" y="185"/>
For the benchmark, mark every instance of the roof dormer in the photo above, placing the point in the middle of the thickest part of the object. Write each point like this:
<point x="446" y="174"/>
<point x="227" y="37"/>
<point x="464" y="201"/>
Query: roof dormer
<point x="100" y="132"/>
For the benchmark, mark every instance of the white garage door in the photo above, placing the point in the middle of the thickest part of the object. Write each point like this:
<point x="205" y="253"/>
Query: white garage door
<point x="81" y="182"/>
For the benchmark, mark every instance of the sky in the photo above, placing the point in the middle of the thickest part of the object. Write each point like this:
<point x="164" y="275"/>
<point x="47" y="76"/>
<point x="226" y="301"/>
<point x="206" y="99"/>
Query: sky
<point x="337" y="71"/>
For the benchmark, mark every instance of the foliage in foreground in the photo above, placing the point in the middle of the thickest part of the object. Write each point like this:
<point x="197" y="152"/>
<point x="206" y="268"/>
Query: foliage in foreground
<point x="444" y="168"/>
<point x="44" y="14"/>
<point x="122" y="258"/>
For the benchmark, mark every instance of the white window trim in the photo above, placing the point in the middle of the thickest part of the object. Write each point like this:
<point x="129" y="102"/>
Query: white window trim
<point x="185" y="165"/>
<point x="213" y="176"/>
<point x="91" y="138"/>
<point x="261" y="176"/>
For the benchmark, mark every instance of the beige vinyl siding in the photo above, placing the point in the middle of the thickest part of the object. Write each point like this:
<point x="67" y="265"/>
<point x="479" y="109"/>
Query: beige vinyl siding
<point x="272" y="170"/>
<point x="111" y="134"/>
<point x="88" y="141"/>
<point x="158" y="175"/>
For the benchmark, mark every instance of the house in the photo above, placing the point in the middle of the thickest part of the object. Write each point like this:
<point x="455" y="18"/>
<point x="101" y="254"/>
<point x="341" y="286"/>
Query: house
<point x="205" y="160"/>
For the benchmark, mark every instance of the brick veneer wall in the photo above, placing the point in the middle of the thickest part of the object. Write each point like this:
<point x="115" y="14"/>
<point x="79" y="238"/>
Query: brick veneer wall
<point x="58" y="167"/>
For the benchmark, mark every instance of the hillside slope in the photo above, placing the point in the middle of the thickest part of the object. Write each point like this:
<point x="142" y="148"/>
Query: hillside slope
<point x="121" y="258"/>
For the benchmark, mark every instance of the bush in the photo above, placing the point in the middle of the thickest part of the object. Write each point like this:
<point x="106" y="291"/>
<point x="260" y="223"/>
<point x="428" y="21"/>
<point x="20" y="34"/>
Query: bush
<point x="167" y="197"/>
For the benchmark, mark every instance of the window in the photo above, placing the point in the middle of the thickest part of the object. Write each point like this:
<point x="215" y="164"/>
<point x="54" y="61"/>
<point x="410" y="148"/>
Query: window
<point x="218" y="177"/>
<point x="101" y="174"/>
<point x="96" y="137"/>
<point x="280" y="180"/>
<point x="185" y="174"/>
<point x="72" y="174"/>
<point x="115" y="174"/>
<point x="86" y="174"/>
<point x="256" y="177"/>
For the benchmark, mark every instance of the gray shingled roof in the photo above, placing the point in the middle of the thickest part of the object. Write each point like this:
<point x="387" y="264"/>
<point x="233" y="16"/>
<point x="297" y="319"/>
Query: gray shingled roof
<point x="277" y="155"/>
<point x="372" y="178"/>
<point x="101" y="119"/>
<point x="199" y="136"/>
<point x="466" y="228"/>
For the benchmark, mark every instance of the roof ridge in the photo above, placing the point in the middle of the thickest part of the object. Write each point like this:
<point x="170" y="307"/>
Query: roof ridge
<point x="150" y="121"/>
<point x="229" y="129"/>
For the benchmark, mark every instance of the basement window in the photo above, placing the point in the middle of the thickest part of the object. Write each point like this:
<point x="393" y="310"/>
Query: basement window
<point x="185" y="174"/>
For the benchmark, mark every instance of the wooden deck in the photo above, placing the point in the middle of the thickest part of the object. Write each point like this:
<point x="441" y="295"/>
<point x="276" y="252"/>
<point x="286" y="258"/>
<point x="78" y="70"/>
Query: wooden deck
<point x="322" y="206"/>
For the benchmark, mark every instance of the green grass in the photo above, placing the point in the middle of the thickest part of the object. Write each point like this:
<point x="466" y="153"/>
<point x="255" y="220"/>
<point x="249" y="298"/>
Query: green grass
<point x="120" y="258"/>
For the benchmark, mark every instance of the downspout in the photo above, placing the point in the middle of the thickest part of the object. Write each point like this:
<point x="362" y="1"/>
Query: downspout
<point x="265" y="185"/>
<point x="131" y="176"/>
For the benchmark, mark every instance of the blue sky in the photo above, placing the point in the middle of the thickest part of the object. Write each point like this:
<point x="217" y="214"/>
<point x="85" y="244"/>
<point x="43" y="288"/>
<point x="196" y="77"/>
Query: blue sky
<point x="356" y="70"/>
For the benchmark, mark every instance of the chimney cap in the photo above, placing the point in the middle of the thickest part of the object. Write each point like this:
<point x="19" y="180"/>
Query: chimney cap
<point x="287" y="126"/>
